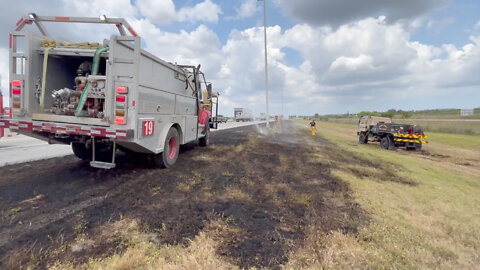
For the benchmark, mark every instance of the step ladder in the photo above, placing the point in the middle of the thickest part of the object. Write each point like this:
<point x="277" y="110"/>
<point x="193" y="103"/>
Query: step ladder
<point x="102" y="164"/>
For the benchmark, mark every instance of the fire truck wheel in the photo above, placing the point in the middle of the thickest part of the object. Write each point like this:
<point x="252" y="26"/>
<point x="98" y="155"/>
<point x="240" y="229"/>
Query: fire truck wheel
<point x="385" y="143"/>
<point x="81" y="151"/>
<point x="362" y="138"/>
<point x="418" y="147"/>
<point x="169" y="156"/>
<point x="205" y="140"/>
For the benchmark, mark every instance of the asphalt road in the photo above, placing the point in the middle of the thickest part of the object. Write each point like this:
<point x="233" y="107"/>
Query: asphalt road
<point x="20" y="148"/>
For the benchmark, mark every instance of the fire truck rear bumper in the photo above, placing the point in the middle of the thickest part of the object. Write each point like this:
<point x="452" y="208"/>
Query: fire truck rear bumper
<point x="69" y="129"/>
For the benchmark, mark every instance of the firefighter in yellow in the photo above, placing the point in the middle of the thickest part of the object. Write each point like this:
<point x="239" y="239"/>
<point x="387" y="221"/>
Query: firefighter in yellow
<point x="313" y="126"/>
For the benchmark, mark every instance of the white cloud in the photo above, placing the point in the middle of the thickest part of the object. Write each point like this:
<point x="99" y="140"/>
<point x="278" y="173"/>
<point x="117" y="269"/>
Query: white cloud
<point x="247" y="9"/>
<point x="164" y="11"/>
<point x="201" y="46"/>
<point x="352" y="63"/>
<point x="477" y="26"/>
<point x="206" y="11"/>
<point x="368" y="51"/>
<point x="439" y="25"/>
<point x="95" y="8"/>
<point x="157" y="11"/>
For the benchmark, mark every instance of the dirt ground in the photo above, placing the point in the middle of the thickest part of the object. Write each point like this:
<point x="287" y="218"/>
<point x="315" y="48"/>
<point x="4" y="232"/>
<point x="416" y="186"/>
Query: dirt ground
<point x="268" y="188"/>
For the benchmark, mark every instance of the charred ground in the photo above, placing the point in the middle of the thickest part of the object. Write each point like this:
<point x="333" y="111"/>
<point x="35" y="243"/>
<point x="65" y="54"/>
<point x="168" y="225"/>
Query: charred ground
<point x="268" y="190"/>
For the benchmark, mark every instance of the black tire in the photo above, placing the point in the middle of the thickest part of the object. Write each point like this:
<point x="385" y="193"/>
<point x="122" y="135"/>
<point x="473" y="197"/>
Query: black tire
<point x="418" y="147"/>
<point x="363" y="138"/>
<point x="171" y="149"/>
<point x="385" y="143"/>
<point x="392" y="145"/>
<point x="81" y="151"/>
<point x="205" y="141"/>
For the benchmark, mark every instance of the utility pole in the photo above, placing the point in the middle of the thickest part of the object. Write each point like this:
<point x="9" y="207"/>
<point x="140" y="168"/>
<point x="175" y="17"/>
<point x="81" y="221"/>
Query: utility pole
<point x="266" y="61"/>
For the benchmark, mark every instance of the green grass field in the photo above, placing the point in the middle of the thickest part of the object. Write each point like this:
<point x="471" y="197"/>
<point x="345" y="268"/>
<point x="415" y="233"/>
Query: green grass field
<point x="433" y="224"/>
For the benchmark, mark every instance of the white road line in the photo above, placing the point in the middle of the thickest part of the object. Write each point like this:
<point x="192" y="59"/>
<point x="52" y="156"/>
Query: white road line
<point x="19" y="147"/>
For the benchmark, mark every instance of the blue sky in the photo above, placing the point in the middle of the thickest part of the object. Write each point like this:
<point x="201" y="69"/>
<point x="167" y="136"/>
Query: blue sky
<point x="324" y="56"/>
<point x="453" y="24"/>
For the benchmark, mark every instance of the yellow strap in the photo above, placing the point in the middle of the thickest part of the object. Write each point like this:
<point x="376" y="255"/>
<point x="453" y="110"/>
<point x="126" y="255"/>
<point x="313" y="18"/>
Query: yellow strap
<point x="81" y="45"/>
<point x="44" y="79"/>
<point x="49" y="43"/>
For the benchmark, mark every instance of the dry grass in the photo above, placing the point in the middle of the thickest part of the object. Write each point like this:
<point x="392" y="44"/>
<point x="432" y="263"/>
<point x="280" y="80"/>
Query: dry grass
<point x="143" y="253"/>
<point x="433" y="224"/>
<point x="335" y="250"/>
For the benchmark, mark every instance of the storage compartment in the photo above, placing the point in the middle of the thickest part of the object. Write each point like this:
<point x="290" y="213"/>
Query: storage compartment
<point x="69" y="72"/>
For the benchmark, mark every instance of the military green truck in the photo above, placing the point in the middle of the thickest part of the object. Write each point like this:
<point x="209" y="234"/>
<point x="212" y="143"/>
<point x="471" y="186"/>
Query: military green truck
<point x="390" y="135"/>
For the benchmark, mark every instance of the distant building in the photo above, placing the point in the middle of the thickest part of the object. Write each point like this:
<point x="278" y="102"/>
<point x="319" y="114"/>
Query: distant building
<point x="466" y="112"/>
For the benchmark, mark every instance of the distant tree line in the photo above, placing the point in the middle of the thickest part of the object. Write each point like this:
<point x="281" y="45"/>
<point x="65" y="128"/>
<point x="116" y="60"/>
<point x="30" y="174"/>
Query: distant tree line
<point x="392" y="113"/>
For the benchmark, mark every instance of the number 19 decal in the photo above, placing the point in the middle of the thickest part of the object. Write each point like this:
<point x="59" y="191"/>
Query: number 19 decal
<point x="148" y="128"/>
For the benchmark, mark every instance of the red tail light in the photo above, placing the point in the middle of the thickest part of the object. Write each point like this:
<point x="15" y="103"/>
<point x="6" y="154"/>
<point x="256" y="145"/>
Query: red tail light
<point x="122" y="89"/>
<point x="16" y="83"/>
<point x="121" y="105"/>
<point x="120" y="120"/>
<point x="16" y="91"/>
<point x="121" y="98"/>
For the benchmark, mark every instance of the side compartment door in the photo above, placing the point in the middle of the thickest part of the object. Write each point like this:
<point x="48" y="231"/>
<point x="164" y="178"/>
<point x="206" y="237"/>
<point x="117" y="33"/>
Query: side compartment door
<point x="190" y="128"/>
<point x="186" y="107"/>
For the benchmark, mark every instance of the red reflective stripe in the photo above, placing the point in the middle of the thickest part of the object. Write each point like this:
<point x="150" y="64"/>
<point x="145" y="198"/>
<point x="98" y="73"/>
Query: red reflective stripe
<point x="131" y="31"/>
<point x="25" y="125"/>
<point x="68" y="129"/>
<point x="4" y="123"/>
<point x="96" y="132"/>
<point x="20" y="21"/>
<point x="63" y="19"/>
<point x="55" y="129"/>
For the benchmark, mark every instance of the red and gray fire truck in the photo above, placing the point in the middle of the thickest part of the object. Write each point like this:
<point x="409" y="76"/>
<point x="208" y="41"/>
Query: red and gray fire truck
<point x="104" y="97"/>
